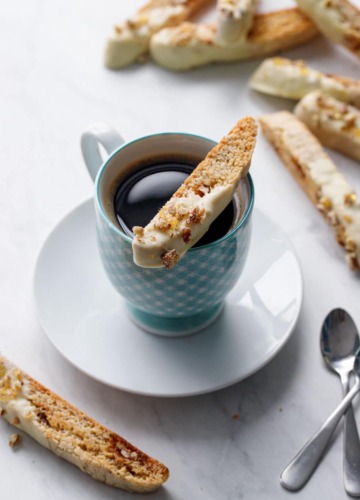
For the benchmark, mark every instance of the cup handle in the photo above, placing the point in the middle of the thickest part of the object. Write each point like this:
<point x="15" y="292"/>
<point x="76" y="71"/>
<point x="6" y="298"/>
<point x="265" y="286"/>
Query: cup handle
<point x="98" y="134"/>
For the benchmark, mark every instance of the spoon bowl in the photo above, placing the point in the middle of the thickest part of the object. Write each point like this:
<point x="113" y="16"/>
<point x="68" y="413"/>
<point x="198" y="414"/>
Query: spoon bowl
<point x="339" y="341"/>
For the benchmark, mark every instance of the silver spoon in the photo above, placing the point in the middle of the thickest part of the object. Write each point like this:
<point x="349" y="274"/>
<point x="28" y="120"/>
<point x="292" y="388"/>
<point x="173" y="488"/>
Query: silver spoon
<point x="339" y="342"/>
<point x="299" y="470"/>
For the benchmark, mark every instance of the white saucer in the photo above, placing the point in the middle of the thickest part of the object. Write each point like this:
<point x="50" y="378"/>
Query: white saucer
<point x="86" y="321"/>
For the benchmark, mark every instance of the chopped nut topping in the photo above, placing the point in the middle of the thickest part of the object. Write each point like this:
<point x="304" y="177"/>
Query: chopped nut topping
<point x="162" y="225"/>
<point x="350" y="199"/>
<point x="138" y="230"/>
<point x="186" y="235"/>
<point x="350" y="245"/>
<point x="170" y="258"/>
<point x="348" y="218"/>
<point x="202" y="190"/>
<point x="326" y="203"/>
<point x="14" y="440"/>
<point x="195" y="216"/>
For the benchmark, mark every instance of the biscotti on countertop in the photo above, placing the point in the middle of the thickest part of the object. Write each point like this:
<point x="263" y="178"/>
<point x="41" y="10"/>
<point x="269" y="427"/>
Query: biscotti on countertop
<point x="293" y="79"/>
<point x="130" y="39"/>
<point x="339" y="20"/>
<point x="335" y="123"/>
<point x="74" y="436"/>
<point x="189" y="45"/>
<point x="316" y="173"/>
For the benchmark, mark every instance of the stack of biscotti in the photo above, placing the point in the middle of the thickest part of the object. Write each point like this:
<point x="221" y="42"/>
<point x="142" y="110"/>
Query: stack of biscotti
<point x="130" y="39"/>
<point x="329" y="105"/>
<point x="175" y="43"/>
<point x="74" y="436"/>
<point x="190" y="45"/>
<point x="185" y="218"/>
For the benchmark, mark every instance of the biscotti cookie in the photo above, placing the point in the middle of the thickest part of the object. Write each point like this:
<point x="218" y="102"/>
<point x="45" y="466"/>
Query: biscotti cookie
<point x="74" y="436"/>
<point x="285" y="78"/>
<point x="186" y="217"/>
<point x="235" y="19"/>
<point x="327" y="188"/>
<point x="130" y="40"/>
<point x="334" y="123"/>
<point x="190" y="45"/>
<point x="294" y="79"/>
<point x="339" y="20"/>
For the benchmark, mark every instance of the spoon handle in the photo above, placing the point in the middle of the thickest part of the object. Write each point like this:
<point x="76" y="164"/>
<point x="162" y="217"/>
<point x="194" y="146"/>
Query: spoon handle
<point x="299" y="470"/>
<point x="351" y="449"/>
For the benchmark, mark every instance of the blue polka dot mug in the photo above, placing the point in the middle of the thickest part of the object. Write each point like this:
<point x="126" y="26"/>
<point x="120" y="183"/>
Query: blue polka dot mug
<point x="190" y="296"/>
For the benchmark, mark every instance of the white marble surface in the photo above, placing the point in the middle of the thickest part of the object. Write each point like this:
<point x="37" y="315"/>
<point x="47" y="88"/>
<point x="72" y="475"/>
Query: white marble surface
<point x="228" y="445"/>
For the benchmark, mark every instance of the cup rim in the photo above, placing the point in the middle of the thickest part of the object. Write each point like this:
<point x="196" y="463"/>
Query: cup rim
<point x="127" y="238"/>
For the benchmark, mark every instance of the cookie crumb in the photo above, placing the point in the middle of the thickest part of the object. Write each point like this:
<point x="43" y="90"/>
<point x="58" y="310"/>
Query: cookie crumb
<point x="14" y="440"/>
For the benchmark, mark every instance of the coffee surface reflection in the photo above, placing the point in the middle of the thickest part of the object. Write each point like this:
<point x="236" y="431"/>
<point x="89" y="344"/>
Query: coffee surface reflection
<point x="140" y="196"/>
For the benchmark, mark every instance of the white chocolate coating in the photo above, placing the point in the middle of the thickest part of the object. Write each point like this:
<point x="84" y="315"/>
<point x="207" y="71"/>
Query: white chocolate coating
<point x="235" y="19"/>
<point x="149" y="247"/>
<point x="334" y="123"/>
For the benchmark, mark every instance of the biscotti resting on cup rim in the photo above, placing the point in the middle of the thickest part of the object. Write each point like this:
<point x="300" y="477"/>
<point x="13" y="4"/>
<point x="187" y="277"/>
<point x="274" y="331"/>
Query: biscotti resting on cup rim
<point x="316" y="173"/>
<point x="334" y="123"/>
<point x="74" y="436"/>
<point x="186" y="217"/>
<point x="283" y="77"/>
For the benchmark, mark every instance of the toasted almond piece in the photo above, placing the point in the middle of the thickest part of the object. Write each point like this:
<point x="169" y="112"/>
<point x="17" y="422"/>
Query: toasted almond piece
<point x="339" y="20"/>
<point x="334" y="123"/>
<point x="186" y="217"/>
<point x="74" y="436"/>
<point x="130" y="40"/>
<point x="316" y="173"/>
<point x="235" y="19"/>
<point x="190" y="45"/>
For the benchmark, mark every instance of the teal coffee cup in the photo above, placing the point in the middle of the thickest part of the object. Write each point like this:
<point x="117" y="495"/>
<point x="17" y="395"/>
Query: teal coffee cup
<point x="190" y="296"/>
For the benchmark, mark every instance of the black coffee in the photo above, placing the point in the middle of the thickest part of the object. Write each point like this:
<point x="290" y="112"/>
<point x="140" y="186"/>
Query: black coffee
<point x="141" y="195"/>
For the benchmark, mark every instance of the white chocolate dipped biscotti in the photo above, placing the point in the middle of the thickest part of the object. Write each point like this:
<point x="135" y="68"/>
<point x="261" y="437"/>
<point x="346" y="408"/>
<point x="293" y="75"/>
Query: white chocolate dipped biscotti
<point x="74" y="436"/>
<point x="130" y="40"/>
<point x="339" y="20"/>
<point x="316" y="173"/>
<point x="334" y="123"/>
<point x="234" y="19"/>
<point x="294" y="79"/>
<point x="186" y="217"/>
<point x="190" y="45"/>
